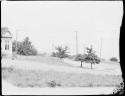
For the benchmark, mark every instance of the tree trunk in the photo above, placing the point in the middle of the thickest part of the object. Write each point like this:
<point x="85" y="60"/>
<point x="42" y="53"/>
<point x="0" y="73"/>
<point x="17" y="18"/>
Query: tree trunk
<point x="61" y="60"/>
<point x="91" y="65"/>
<point x="81" y="63"/>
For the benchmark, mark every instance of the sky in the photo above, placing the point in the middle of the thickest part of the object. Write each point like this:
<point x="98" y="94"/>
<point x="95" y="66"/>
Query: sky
<point x="52" y="23"/>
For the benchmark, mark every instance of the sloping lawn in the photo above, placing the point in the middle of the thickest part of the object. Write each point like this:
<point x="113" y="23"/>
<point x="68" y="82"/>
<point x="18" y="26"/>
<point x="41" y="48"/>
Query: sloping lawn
<point x="34" y="78"/>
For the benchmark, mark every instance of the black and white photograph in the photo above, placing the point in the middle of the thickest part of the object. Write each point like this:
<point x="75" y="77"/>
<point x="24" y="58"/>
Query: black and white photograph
<point x="61" y="47"/>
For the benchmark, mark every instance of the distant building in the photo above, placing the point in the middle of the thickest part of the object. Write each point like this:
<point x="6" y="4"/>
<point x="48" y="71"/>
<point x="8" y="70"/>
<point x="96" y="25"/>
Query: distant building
<point x="6" y="41"/>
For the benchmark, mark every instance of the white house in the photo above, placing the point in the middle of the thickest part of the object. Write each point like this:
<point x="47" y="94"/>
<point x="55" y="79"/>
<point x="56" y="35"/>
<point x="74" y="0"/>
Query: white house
<point x="6" y="41"/>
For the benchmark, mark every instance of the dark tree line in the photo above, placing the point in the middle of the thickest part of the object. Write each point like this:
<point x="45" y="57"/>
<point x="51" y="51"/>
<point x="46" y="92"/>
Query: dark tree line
<point x="24" y="48"/>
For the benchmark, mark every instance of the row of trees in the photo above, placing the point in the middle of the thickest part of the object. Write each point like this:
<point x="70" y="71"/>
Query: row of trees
<point x="26" y="48"/>
<point x="89" y="57"/>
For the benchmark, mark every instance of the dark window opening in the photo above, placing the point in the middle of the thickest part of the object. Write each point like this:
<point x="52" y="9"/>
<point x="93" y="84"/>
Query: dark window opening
<point x="5" y="47"/>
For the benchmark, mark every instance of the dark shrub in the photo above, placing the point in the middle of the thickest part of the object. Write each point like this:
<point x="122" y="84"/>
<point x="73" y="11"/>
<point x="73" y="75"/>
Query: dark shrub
<point x="24" y="48"/>
<point x="58" y="84"/>
<point x="52" y="84"/>
<point x="90" y="85"/>
<point x="114" y="59"/>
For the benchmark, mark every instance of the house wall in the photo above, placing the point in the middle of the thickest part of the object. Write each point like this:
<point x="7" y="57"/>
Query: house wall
<point x="3" y="43"/>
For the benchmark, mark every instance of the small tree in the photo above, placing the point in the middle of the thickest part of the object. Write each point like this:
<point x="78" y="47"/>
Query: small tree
<point x="79" y="57"/>
<point x="15" y="46"/>
<point x="91" y="57"/>
<point x="60" y="52"/>
<point x="114" y="59"/>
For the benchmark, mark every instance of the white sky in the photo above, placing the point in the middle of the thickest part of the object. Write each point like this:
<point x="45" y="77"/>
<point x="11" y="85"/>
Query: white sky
<point x="52" y="23"/>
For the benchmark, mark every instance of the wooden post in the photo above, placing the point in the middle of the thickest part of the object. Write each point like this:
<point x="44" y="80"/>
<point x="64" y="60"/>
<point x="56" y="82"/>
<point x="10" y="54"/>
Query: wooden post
<point x="100" y="47"/>
<point x="81" y="63"/>
<point x="76" y="43"/>
<point x="91" y="65"/>
<point x="16" y="41"/>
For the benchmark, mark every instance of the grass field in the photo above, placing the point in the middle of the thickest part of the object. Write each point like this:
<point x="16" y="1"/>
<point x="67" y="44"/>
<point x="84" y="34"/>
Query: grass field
<point x="32" y="78"/>
<point x="50" y="72"/>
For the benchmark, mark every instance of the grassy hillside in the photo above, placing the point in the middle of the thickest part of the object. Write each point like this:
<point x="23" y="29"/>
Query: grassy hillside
<point x="45" y="71"/>
<point x="33" y="78"/>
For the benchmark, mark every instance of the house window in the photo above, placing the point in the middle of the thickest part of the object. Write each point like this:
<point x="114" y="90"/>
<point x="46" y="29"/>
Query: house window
<point x="6" y="45"/>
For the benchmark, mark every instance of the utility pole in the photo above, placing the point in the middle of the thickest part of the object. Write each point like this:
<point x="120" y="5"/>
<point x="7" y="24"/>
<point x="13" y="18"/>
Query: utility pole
<point x="76" y="43"/>
<point x="83" y="49"/>
<point x="16" y="40"/>
<point x="100" y="47"/>
<point x="52" y="47"/>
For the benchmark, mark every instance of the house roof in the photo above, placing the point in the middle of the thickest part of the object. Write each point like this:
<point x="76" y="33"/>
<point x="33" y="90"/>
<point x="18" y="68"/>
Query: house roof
<point x="5" y="32"/>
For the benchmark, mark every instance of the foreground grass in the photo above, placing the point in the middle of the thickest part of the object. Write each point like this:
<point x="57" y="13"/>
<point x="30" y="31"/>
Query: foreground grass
<point x="32" y="78"/>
